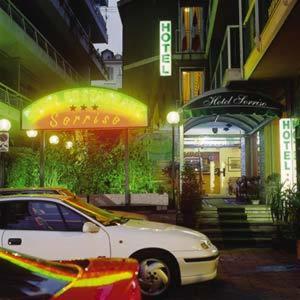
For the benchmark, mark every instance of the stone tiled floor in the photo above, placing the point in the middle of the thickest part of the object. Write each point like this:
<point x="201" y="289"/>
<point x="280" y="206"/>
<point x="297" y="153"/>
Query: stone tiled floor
<point x="249" y="274"/>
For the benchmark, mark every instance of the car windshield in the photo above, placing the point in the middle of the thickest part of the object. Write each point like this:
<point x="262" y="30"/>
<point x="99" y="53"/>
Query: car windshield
<point x="101" y="215"/>
<point x="70" y="271"/>
<point x="24" y="277"/>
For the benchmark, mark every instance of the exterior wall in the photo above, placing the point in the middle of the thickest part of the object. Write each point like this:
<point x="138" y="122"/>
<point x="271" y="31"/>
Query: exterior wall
<point x="52" y="49"/>
<point x="225" y="153"/>
<point x="141" y="77"/>
<point x="115" y="81"/>
<point x="272" y="148"/>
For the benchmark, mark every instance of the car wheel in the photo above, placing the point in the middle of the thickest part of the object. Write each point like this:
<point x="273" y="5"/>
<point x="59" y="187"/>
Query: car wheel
<point x="157" y="274"/>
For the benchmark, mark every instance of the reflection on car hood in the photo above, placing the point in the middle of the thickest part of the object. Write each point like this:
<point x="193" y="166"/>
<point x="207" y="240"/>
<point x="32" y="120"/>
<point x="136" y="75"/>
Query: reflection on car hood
<point x="162" y="227"/>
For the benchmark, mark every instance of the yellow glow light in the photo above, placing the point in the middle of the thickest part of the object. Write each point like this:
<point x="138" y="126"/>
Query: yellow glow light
<point x="54" y="139"/>
<point x="5" y="125"/>
<point x="69" y="144"/>
<point x="31" y="133"/>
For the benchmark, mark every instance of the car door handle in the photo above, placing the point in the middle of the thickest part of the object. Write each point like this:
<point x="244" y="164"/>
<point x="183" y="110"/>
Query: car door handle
<point x="14" y="241"/>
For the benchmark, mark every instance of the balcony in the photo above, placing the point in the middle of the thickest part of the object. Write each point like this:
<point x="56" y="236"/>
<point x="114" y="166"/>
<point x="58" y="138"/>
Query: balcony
<point x="99" y="32"/>
<point x="66" y="12"/>
<point x="269" y="32"/>
<point x="25" y="41"/>
<point x="228" y="67"/>
<point x="190" y="43"/>
<point x="10" y="97"/>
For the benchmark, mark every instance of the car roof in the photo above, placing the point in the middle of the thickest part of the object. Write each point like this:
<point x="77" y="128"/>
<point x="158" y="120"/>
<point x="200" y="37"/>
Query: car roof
<point x="42" y="197"/>
<point x="32" y="189"/>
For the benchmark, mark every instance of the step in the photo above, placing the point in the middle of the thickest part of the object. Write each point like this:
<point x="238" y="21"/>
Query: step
<point x="231" y="209"/>
<point x="241" y="243"/>
<point x="269" y="229"/>
<point x="235" y="221"/>
<point x="238" y="234"/>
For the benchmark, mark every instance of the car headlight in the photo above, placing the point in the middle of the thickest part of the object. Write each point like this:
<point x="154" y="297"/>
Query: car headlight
<point x="206" y="244"/>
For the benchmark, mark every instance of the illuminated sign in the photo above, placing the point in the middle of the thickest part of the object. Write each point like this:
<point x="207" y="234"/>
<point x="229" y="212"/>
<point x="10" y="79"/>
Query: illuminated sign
<point x="85" y="108"/>
<point x="288" y="152"/>
<point x="165" y="39"/>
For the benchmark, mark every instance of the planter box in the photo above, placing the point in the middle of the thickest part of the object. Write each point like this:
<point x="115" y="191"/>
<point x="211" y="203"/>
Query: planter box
<point x="153" y="199"/>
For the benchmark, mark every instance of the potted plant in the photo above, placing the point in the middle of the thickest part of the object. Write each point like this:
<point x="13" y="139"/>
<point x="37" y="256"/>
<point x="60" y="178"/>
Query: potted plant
<point x="253" y="188"/>
<point x="191" y="195"/>
<point x="294" y="218"/>
<point x="254" y="199"/>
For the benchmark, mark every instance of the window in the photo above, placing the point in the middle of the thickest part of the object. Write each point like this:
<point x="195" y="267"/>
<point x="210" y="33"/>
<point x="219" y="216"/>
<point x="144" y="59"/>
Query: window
<point x="18" y="216"/>
<point x="191" y="29"/>
<point x="47" y="216"/>
<point x="110" y="71"/>
<point x="2" y="216"/>
<point x="73" y="220"/>
<point x="192" y="84"/>
<point x="32" y="215"/>
<point x="17" y="282"/>
<point x="39" y="215"/>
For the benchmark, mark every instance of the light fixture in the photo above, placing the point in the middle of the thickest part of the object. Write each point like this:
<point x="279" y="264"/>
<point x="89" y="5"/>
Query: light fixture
<point x="173" y="117"/>
<point x="187" y="9"/>
<point x="54" y="139"/>
<point x="214" y="130"/>
<point x="5" y="125"/>
<point x="31" y="133"/>
<point x="69" y="144"/>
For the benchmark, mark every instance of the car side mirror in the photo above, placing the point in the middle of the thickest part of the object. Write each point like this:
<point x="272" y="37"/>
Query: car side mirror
<point x="89" y="227"/>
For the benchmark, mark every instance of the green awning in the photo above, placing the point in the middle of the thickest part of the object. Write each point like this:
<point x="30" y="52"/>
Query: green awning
<point x="248" y="110"/>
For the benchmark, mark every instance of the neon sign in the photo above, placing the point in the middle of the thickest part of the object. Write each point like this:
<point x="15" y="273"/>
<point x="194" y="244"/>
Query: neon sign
<point x="165" y="39"/>
<point x="288" y="152"/>
<point x="85" y="108"/>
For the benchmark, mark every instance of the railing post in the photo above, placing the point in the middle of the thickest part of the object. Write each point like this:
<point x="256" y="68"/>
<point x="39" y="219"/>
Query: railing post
<point x="46" y="46"/>
<point x="229" y="47"/>
<point x="241" y="38"/>
<point x="9" y="9"/>
<point x="257" y="26"/>
<point x="221" y="69"/>
<point x="24" y="24"/>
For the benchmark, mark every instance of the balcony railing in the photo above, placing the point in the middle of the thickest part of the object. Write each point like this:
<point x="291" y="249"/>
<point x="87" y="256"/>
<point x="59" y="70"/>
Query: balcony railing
<point x="189" y="41"/>
<point x="82" y="34"/>
<point x="256" y="19"/>
<point x="229" y="57"/>
<point x="13" y="98"/>
<point x="15" y="15"/>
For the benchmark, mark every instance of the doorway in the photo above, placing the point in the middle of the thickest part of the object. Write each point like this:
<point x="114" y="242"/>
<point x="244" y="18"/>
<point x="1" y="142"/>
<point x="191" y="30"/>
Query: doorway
<point x="215" y="152"/>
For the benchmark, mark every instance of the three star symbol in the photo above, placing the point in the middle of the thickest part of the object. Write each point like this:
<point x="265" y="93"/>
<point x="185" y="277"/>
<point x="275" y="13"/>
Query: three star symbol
<point x="83" y="107"/>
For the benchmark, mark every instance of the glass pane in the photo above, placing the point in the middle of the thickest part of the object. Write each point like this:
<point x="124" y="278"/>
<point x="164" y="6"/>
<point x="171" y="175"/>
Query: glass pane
<point x="19" y="283"/>
<point x="47" y="216"/>
<point x="191" y="32"/>
<point x="18" y="216"/>
<point x="192" y="84"/>
<point x="74" y="221"/>
<point x="2" y="220"/>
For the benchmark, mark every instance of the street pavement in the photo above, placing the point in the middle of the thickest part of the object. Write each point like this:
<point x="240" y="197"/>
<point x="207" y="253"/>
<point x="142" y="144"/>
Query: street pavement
<point x="249" y="274"/>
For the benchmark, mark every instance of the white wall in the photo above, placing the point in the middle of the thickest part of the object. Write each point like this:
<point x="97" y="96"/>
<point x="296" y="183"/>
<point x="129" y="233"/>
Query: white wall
<point x="224" y="154"/>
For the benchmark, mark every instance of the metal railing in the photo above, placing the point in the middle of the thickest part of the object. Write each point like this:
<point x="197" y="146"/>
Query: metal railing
<point x="255" y="21"/>
<point x="99" y="18"/>
<point x="229" y="56"/>
<point x="82" y="34"/>
<point x="189" y="41"/>
<point x="13" y="98"/>
<point x="15" y="15"/>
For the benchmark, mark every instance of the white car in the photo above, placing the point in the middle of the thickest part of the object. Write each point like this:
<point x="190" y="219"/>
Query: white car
<point x="57" y="227"/>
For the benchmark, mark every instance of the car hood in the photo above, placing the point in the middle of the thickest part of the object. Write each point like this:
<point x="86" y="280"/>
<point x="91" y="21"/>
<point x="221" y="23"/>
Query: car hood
<point x="144" y="225"/>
